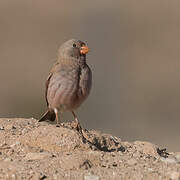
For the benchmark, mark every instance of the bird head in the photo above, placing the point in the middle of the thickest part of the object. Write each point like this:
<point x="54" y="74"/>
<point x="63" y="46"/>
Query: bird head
<point x="72" y="49"/>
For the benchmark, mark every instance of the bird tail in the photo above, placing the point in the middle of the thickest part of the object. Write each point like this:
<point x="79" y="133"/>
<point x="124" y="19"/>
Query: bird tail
<point x="48" y="115"/>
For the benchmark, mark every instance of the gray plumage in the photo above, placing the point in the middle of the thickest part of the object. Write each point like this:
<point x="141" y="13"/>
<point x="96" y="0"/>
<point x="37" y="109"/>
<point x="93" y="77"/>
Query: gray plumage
<point x="69" y="82"/>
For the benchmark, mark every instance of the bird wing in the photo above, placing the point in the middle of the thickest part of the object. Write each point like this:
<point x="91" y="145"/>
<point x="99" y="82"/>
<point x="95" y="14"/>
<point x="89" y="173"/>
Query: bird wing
<point x="48" y="80"/>
<point x="85" y="81"/>
<point x="46" y="86"/>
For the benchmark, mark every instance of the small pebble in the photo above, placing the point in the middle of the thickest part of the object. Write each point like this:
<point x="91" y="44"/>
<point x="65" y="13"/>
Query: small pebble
<point x="11" y="176"/>
<point x="10" y="127"/>
<point x="168" y="160"/>
<point x="24" y="131"/>
<point x="37" y="156"/>
<point x="132" y="162"/>
<point x="91" y="177"/>
<point x="16" y="143"/>
<point x="1" y="127"/>
<point x="175" y="175"/>
<point x="8" y="160"/>
<point x="177" y="157"/>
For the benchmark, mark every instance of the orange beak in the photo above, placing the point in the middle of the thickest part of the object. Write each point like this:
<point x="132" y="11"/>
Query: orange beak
<point x="84" y="50"/>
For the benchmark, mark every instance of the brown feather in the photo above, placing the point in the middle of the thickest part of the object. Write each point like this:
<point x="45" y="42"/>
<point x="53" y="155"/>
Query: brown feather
<point x="69" y="81"/>
<point x="48" y="115"/>
<point x="46" y="86"/>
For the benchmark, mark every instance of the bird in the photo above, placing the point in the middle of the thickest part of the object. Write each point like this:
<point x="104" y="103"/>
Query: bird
<point x="69" y="82"/>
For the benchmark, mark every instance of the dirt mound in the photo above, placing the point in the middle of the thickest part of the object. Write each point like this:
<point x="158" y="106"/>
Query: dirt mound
<point x="32" y="150"/>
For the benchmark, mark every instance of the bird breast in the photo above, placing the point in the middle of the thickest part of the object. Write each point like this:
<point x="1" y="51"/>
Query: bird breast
<point x="66" y="89"/>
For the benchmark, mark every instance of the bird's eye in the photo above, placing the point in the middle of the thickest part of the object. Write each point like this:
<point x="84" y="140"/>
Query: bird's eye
<point x="74" y="45"/>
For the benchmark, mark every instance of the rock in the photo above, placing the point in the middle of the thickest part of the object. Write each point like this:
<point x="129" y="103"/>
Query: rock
<point x="8" y="160"/>
<point x="15" y="144"/>
<point x="146" y="148"/>
<point x="37" y="156"/>
<point x="52" y="139"/>
<point x="175" y="175"/>
<point x="132" y="162"/>
<point x="10" y="127"/>
<point x="1" y="127"/>
<point x="79" y="162"/>
<point x="168" y="160"/>
<point x="91" y="177"/>
<point x="48" y="152"/>
<point x="11" y="176"/>
<point x="177" y="157"/>
<point x="86" y="164"/>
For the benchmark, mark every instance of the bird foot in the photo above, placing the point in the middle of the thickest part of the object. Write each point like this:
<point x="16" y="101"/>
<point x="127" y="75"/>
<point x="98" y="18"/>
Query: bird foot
<point x="76" y="125"/>
<point x="82" y="133"/>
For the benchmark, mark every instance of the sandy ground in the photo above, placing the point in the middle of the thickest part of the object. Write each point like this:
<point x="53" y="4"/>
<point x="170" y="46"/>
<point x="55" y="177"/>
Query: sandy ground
<point x="37" y="151"/>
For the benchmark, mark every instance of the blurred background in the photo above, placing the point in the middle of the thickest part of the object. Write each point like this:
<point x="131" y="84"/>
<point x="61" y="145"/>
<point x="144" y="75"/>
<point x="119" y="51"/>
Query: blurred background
<point x="135" y="59"/>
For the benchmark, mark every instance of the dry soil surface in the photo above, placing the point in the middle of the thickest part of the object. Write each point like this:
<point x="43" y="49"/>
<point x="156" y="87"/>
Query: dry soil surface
<point x="38" y="151"/>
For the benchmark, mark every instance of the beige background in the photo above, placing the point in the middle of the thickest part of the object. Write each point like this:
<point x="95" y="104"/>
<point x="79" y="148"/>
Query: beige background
<point x="135" y="58"/>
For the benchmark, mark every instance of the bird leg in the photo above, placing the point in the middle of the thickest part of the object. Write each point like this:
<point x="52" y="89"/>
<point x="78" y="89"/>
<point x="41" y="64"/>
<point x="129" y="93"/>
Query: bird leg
<point x="77" y="125"/>
<point x="57" y="119"/>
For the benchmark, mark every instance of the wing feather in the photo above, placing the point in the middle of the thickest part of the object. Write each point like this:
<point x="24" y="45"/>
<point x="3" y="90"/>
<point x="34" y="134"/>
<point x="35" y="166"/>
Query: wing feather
<point x="85" y="81"/>
<point x="46" y="86"/>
